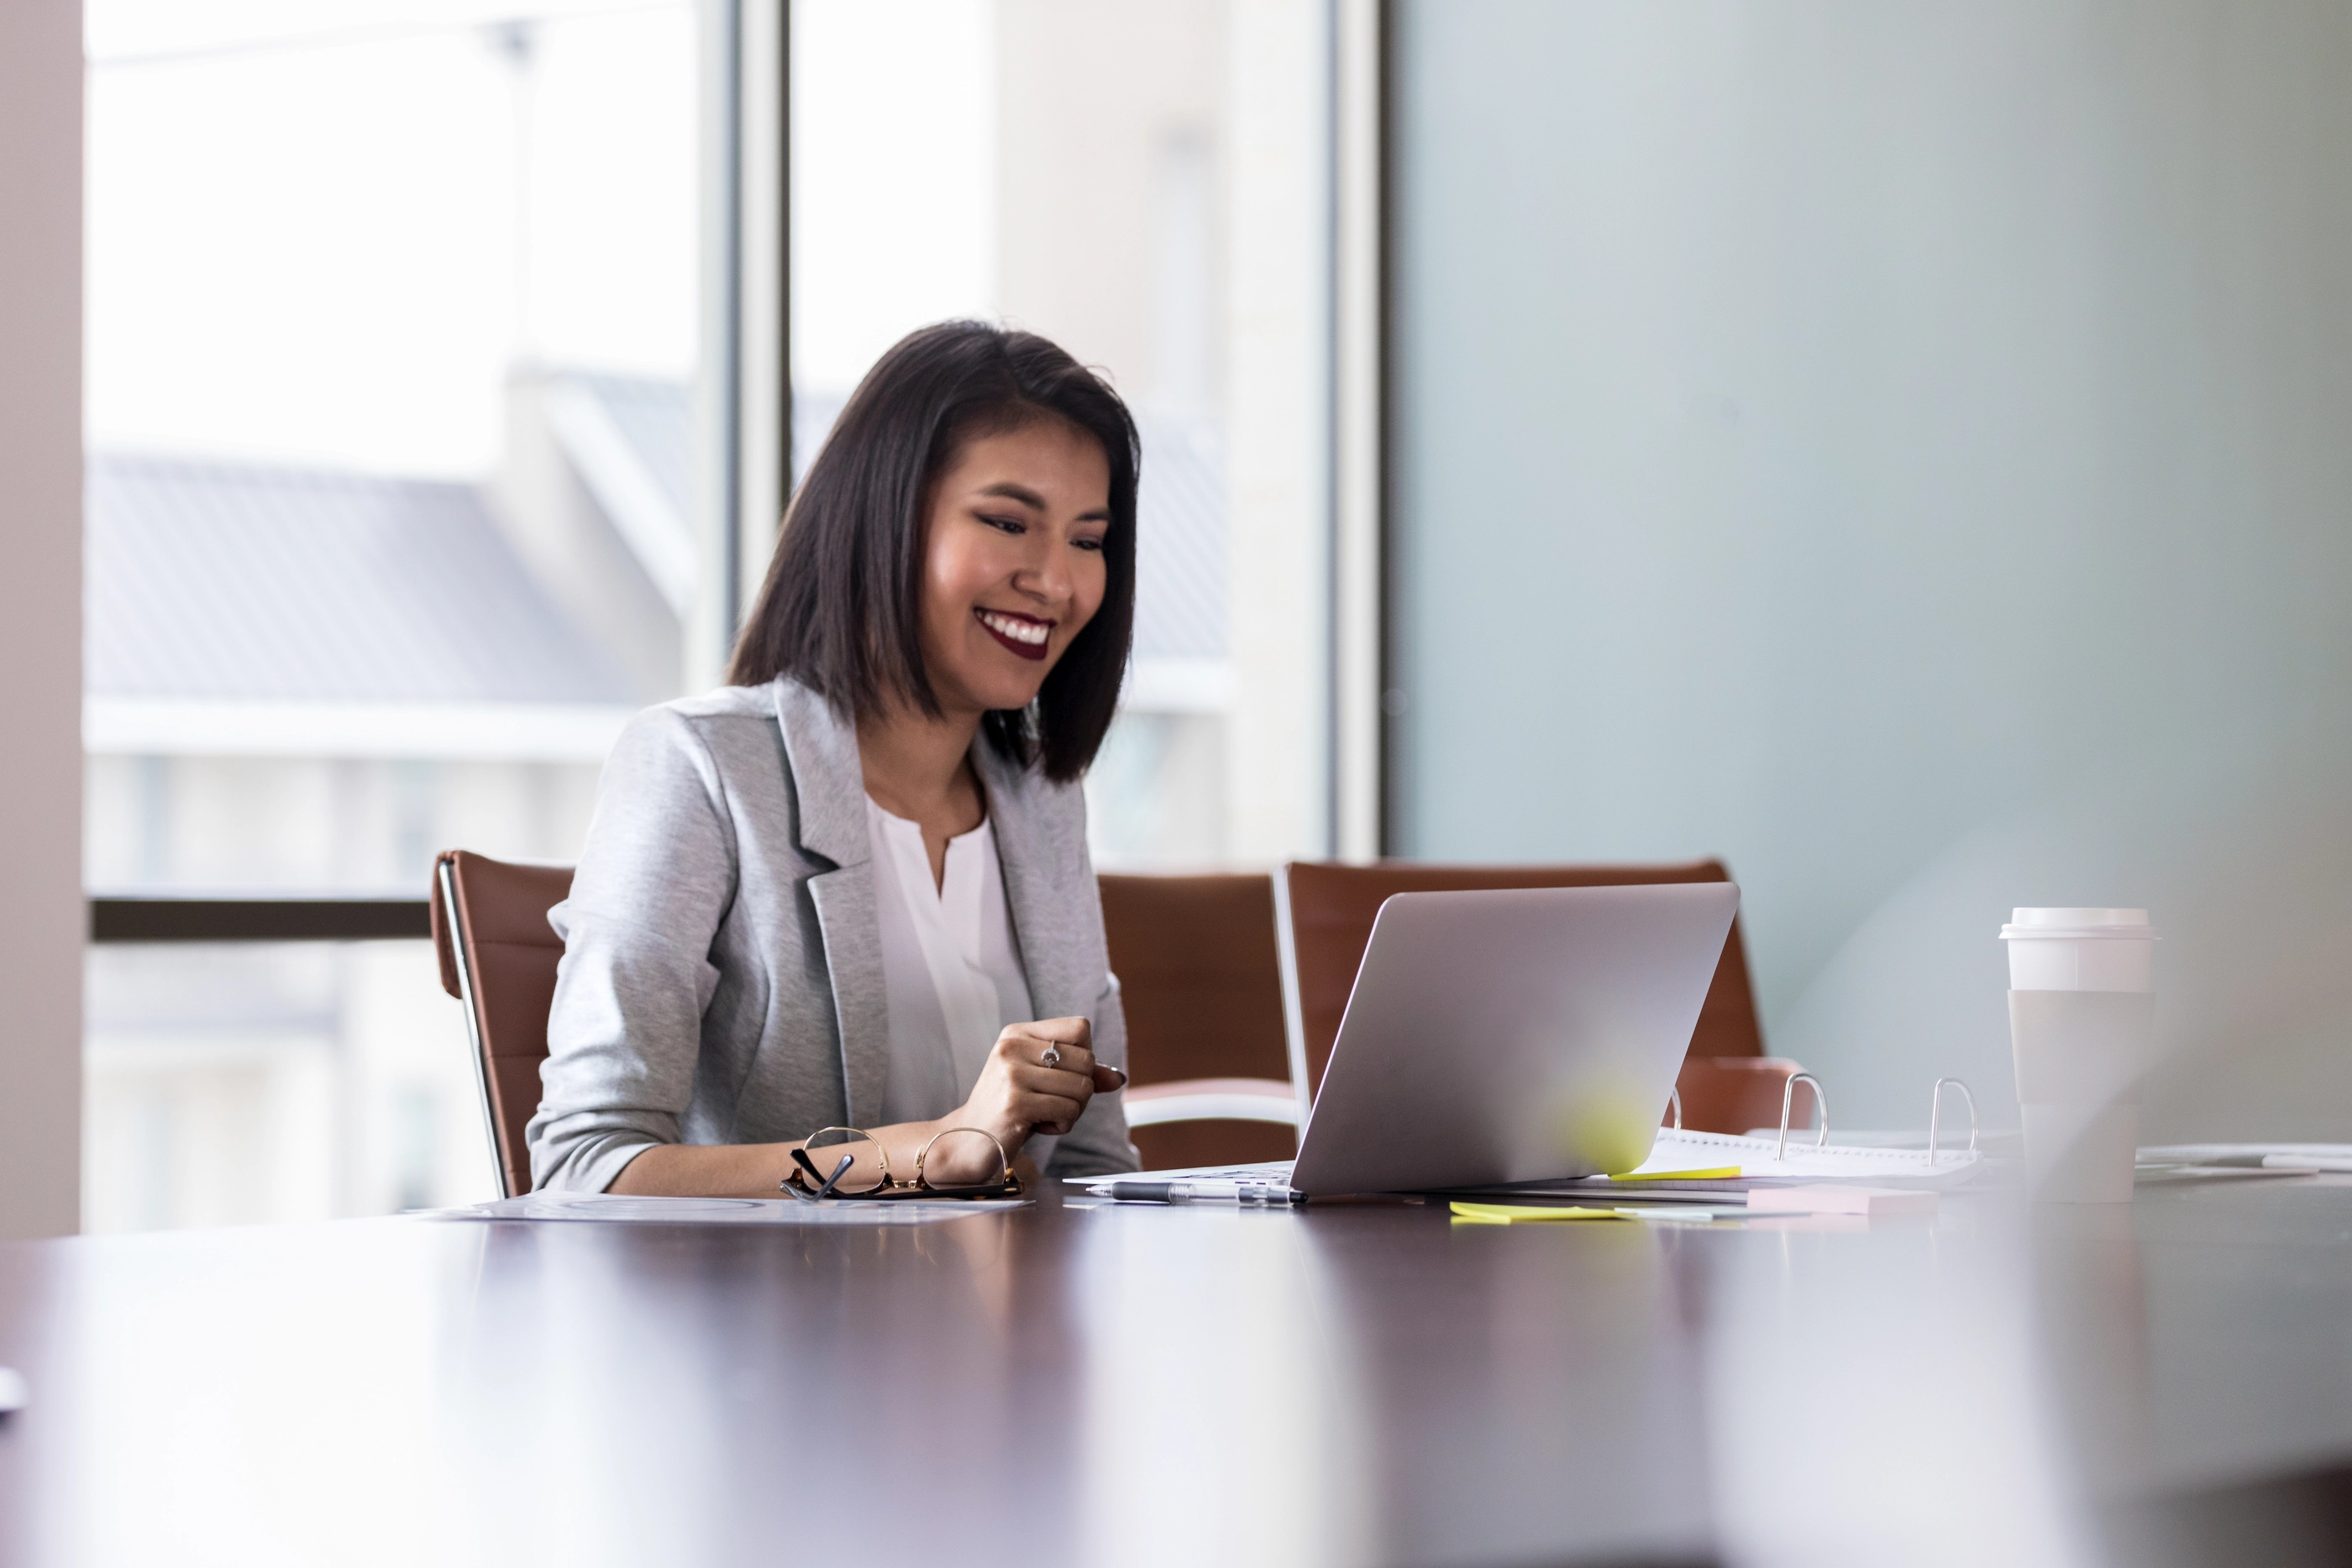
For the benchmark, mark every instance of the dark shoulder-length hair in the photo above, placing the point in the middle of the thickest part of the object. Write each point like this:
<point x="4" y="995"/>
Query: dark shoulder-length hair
<point x="840" y="610"/>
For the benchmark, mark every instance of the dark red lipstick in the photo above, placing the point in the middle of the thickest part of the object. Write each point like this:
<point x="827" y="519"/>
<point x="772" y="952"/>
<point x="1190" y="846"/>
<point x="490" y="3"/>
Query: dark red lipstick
<point x="995" y="623"/>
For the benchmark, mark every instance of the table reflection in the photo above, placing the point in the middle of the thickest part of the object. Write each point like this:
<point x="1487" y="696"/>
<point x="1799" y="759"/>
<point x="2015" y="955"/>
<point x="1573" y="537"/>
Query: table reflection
<point x="1504" y="1374"/>
<point x="2168" y="1383"/>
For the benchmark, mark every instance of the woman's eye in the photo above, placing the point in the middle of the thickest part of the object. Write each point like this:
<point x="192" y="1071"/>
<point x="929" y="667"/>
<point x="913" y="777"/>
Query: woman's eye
<point x="1089" y="544"/>
<point x="1005" y="524"/>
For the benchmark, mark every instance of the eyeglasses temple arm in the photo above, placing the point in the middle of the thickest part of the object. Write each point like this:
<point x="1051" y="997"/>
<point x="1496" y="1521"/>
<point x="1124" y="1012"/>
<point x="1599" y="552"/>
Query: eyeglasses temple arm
<point x="839" y="1171"/>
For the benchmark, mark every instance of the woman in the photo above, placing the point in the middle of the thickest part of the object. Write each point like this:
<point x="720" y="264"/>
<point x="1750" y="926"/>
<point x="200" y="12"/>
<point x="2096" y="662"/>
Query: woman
<point x="851" y="889"/>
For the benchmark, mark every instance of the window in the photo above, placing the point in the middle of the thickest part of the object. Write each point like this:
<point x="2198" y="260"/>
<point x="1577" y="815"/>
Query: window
<point x="1078" y="169"/>
<point x="428" y="416"/>
<point x="393" y="520"/>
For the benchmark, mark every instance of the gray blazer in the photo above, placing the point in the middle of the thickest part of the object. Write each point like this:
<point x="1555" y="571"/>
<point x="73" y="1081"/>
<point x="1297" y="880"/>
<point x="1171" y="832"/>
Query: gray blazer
<point x="721" y="980"/>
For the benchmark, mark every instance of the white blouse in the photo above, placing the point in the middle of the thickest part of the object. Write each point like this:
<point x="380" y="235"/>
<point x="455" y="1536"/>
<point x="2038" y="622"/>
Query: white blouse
<point x="949" y="964"/>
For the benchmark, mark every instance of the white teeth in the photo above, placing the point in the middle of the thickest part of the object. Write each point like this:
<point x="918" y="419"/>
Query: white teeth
<point x="1019" y="631"/>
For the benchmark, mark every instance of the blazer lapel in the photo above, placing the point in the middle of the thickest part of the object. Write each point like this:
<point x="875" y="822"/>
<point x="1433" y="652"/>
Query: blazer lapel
<point x="853" y="960"/>
<point x="827" y="777"/>
<point x="829" y="783"/>
<point x="1041" y="924"/>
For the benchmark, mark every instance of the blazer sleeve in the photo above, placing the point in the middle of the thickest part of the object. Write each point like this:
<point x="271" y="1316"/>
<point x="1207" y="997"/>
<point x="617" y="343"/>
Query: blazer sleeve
<point x="657" y="876"/>
<point x="1099" y="1144"/>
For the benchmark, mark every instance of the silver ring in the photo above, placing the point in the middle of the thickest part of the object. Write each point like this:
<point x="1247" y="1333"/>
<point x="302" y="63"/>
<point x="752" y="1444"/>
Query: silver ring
<point x="1053" y="1057"/>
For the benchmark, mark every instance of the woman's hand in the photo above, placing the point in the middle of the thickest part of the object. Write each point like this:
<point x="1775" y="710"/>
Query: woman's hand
<point x="1017" y="1097"/>
<point x="1018" y="1094"/>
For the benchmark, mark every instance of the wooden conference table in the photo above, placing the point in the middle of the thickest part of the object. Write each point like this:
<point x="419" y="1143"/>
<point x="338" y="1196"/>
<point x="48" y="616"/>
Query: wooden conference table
<point x="1343" y="1385"/>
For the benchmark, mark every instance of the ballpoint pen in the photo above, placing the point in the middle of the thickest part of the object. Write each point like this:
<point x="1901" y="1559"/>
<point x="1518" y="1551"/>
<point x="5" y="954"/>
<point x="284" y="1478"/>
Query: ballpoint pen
<point x="2281" y="1163"/>
<point x="1241" y="1192"/>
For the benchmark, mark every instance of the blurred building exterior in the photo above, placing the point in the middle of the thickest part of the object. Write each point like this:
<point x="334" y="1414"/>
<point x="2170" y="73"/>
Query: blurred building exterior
<point x="302" y="680"/>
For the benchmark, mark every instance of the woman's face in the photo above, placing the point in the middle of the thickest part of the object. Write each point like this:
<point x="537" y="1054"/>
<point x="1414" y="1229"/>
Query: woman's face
<point x="1013" y="562"/>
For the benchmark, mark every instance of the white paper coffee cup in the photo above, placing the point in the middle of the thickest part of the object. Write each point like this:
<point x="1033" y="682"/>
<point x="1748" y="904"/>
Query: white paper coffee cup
<point x="2080" y="950"/>
<point x="2082" y="1017"/>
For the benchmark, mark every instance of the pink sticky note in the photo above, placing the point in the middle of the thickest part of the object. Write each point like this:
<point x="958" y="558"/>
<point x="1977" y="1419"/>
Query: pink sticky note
<point x="1809" y="1222"/>
<point x="1876" y="1202"/>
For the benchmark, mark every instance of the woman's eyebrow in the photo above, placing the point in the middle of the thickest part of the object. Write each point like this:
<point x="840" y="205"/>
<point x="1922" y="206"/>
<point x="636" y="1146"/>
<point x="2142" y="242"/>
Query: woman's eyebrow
<point x="1010" y="491"/>
<point x="1005" y="489"/>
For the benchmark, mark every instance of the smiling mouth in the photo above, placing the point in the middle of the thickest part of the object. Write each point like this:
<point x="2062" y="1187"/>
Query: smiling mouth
<point x="1021" y="633"/>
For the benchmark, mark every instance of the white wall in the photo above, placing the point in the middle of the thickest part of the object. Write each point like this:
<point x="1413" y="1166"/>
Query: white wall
<point x="1905" y="449"/>
<point x="41" y="912"/>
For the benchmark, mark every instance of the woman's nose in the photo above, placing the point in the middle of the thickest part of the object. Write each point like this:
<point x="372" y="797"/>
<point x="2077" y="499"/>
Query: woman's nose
<point x="1045" y="574"/>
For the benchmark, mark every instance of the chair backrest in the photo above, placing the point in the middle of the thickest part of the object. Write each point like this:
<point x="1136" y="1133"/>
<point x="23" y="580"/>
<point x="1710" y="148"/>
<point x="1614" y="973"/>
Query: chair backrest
<point x="498" y="956"/>
<point x="1325" y="920"/>
<point x="1203" y="993"/>
<point x="1741" y="1093"/>
<point x="1198" y="976"/>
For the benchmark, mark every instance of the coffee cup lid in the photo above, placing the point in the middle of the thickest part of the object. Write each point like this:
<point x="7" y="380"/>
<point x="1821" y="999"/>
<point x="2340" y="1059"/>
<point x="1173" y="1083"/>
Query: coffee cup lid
<point x="2077" y="924"/>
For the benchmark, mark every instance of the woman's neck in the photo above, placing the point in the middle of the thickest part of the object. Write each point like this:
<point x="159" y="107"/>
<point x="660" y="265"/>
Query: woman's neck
<point x="919" y="768"/>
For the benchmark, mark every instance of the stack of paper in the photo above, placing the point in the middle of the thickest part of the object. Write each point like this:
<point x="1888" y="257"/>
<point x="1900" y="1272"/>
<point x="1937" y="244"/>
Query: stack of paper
<point x="1842" y="1197"/>
<point x="1721" y="1167"/>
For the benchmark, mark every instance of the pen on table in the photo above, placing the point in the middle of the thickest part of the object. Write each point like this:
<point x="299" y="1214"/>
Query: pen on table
<point x="2286" y="1163"/>
<point x="1244" y="1192"/>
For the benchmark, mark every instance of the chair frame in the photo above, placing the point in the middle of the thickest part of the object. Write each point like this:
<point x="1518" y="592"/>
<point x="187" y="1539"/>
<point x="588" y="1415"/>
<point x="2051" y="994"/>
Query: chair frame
<point x="445" y="873"/>
<point x="1212" y="1100"/>
<point x="1294" y="1015"/>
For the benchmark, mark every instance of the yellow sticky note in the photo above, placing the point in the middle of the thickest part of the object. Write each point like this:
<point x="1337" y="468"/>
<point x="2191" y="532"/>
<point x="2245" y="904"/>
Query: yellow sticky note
<point x="1713" y="1173"/>
<point x="1521" y="1214"/>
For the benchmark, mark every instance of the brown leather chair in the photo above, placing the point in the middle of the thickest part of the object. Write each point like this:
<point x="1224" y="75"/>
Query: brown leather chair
<point x="1739" y="1093"/>
<point x="1195" y="955"/>
<point x="498" y="956"/>
<point x="1324" y="918"/>
<point x="1208" y="1064"/>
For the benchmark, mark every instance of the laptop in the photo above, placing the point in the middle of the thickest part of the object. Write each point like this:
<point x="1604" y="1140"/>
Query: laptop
<point x="1494" y="1038"/>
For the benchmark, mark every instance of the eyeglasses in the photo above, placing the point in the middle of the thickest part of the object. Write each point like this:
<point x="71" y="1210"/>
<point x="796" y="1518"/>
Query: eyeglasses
<point x="812" y="1185"/>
